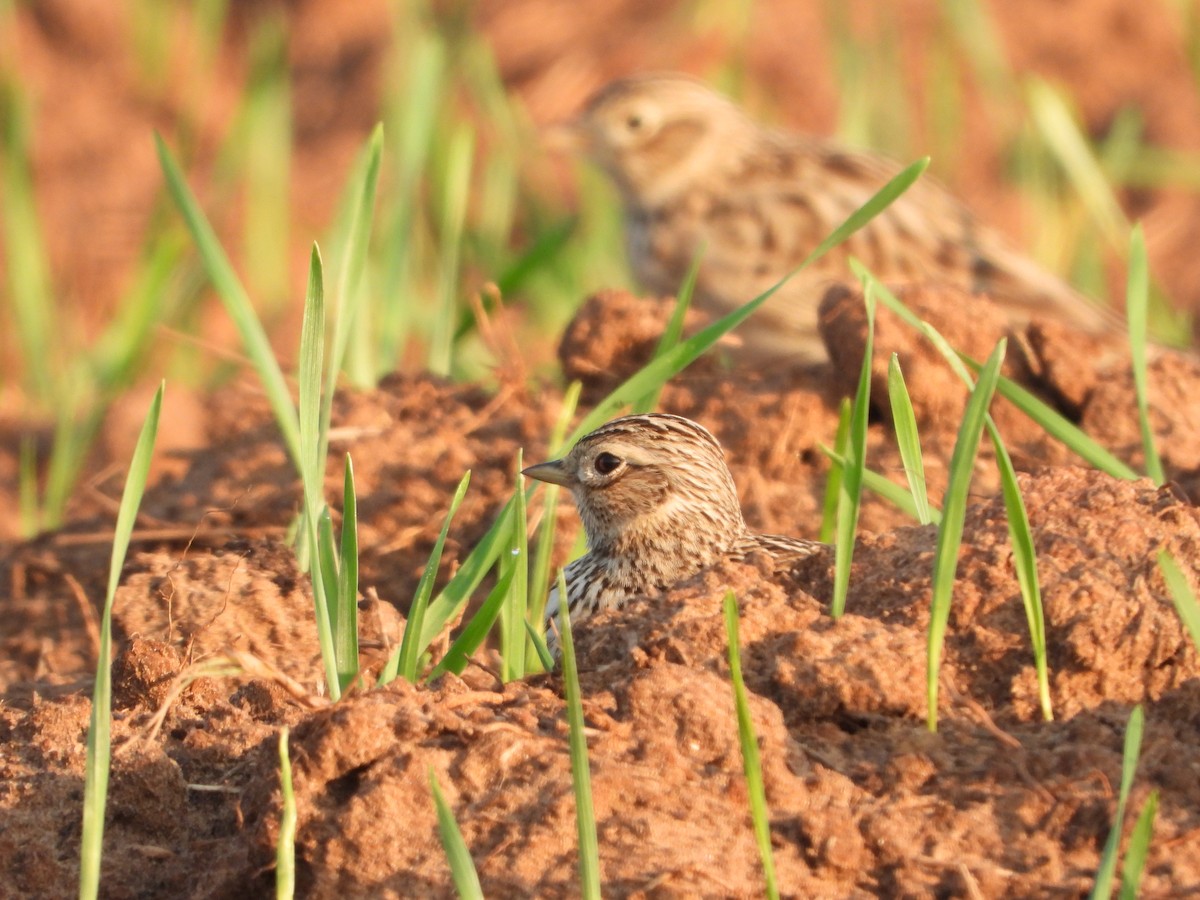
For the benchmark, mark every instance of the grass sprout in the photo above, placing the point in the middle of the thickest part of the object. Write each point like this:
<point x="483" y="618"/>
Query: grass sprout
<point x="285" y="845"/>
<point x="954" y="507"/>
<point x="1181" y="595"/>
<point x="908" y="440"/>
<point x="404" y="661"/>
<point x="1102" y="889"/>
<point x="749" y="744"/>
<point x="833" y="483"/>
<point x="462" y="867"/>
<point x="585" y="815"/>
<point x="99" y="739"/>
<point x="1136" y="301"/>
<point x="850" y="492"/>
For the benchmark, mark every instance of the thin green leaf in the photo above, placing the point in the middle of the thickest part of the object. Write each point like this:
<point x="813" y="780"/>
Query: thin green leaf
<point x="99" y="740"/>
<point x="1025" y="562"/>
<point x="1137" y="295"/>
<point x="1065" y="139"/>
<point x="317" y="537"/>
<point x="751" y="763"/>
<point x="472" y="571"/>
<point x="462" y="867"/>
<point x="543" y="554"/>
<point x="475" y="632"/>
<point x="850" y="495"/>
<point x="908" y="441"/>
<point x="237" y="303"/>
<point x="348" y="313"/>
<point x="1181" y="595"/>
<point x="833" y="483"/>
<point x="585" y="816"/>
<point x="1138" y="849"/>
<point x="674" y="330"/>
<point x="345" y="627"/>
<point x="539" y="646"/>
<point x="457" y="187"/>
<point x="1102" y="889"/>
<point x="285" y="845"/>
<point x="512" y="620"/>
<point x="945" y="560"/>
<point x="887" y="489"/>
<point x="404" y="660"/>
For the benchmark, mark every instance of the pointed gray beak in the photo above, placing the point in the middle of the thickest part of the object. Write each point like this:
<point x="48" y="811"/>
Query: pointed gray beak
<point x="552" y="472"/>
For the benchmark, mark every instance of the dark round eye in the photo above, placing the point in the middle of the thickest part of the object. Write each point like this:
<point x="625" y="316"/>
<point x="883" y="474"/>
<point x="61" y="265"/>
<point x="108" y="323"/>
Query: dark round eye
<point x="606" y="463"/>
<point x="633" y="122"/>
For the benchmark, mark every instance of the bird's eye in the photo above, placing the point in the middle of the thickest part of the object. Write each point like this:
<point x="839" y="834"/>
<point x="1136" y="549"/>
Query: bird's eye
<point x="606" y="463"/>
<point x="633" y="122"/>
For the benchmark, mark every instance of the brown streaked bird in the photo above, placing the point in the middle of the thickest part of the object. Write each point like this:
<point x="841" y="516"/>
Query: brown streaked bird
<point x="658" y="505"/>
<point x="695" y="172"/>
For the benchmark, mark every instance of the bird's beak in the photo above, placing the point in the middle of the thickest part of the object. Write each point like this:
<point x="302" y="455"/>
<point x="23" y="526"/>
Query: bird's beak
<point x="565" y="137"/>
<point x="553" y="472"/>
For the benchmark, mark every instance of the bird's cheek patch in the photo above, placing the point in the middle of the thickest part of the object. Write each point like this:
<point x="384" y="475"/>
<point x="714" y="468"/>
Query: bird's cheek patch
<point x="672" y="141"/>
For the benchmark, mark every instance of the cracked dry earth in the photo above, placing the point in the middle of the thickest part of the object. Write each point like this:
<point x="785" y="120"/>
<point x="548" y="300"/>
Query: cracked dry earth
<point x="863" y="800"/>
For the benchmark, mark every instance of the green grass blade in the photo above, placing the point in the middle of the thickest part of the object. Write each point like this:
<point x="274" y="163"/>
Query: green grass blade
<point x="349" y="317"/>
<point x="319" y="541"/>
<point x="472" y="571"/>
<point x="462" y="867"/>
<point x="99" y="740"/>
<point x="543" y="554"/>
<point x="345" y="626"/>
<point x="1181" y="595"/>
<point x="1061" y="429"/>
<point x="954" y="507"/>
<point x="1063" y="137"/>
<point x="29" y="280"/>
<point x="908" y="440"/>
<point x="408" y="654"/>
<point x="1137" y="295"/>
<point x="749" y="743"/>
<point x="674" y="330"/>
<point x="1025" y="562"/>
<point x="327" y="557"/>
<point x="850" y="494"/>
<point x="1102" y="889"/>
<point x="1138" y="849"/>
<point x="893" y="493"/>
<point x="512" y="619"/>
<point x="585" y="816"/>
<point x="475" y="632"/>
<point x="833" y="483"/>
<point x="539" y="646"/>
<point x="285" y="846"/>
<point x="237" y="303"/>
<point x="454" y="210"/>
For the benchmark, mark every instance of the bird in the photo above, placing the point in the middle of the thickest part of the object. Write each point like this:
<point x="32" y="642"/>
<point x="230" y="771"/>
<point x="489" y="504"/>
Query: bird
<point x="658" y="505"/>
<point x="696" y="175"/>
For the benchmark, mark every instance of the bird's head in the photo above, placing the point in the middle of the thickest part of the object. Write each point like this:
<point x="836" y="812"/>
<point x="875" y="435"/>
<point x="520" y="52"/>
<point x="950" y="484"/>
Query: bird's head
<point x="647" y="479"/>
<point x="658" y="136"/>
